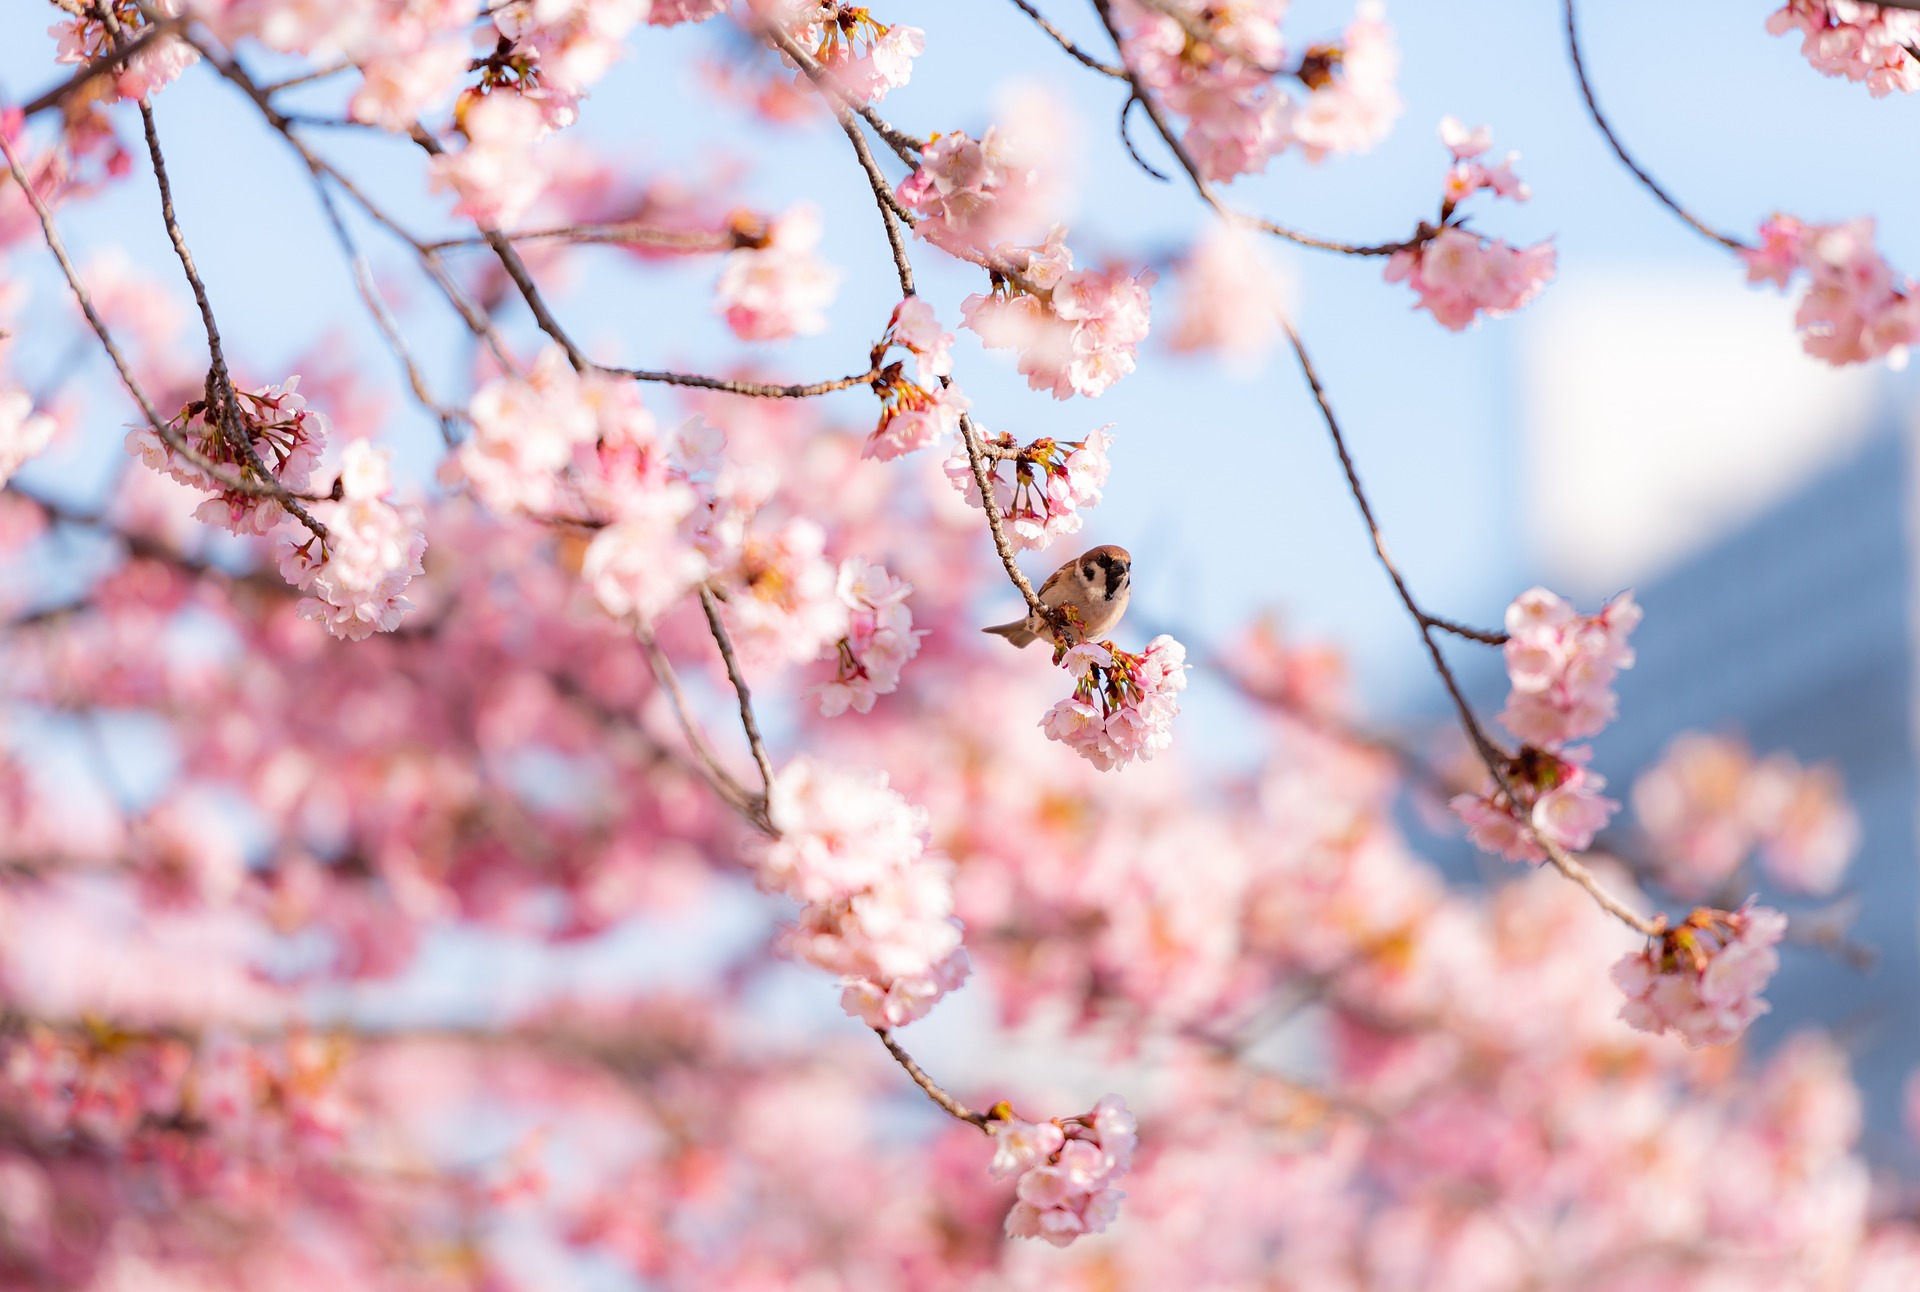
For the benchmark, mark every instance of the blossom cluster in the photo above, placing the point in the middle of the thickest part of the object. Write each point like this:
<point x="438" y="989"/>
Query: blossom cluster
<point x="1065" y="1171"/>
<point x="865" y="57"/>
<point x="1123" y="705"/>
<point x="1038" y="489"/>
<point x="1708" y="804"/>
<point x="83" y="38"/>
<point x="285" y="435"/>
<point x="1458" y="274"/>
<point x="1857" y="40"/>
<point x="877" y="904"/>
<point x="1856" y="307"/>
<point x="972" y="196"/>
<point x="1561" y="665"/>
<point x="914" y="411"/>
<point x="1704" y="978"/>
<point x="1221" y="67"/>
<point x="774" y="285"/>
<point x="1076" y="330"/>
<point x="495" y="176"/>
<point x="880" y="638"/>
<point x="23" y="432"/>
<point x="372" y="550"/>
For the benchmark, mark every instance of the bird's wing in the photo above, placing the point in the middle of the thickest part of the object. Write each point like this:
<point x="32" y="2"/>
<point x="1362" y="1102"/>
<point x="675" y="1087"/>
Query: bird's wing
<point x="1054" y="578"/>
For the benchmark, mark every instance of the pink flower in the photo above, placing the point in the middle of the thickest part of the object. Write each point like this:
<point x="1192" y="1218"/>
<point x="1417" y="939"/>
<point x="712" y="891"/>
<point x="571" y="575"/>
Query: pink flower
<point x="778" y="287"/>
<point x="666" y="13"/>
<point x="287" y="437"/>
<point x="1076" y="336"/>
<point x="1041" y="490"/>
<point x="1460" y="276"/>
<point x="1704" y="978"/>
<point x="1551" y="798"/>
<point x="496" y="177"/>
<point x="1857" y="40"/>
<point x="1123" y="705"/>
<point x="1354" y="107"/>
<point x="1232" y="297"/>
<point x="526" y="431"/>
<point x="878" y="906"/>
<point x="1562" y="666"/>
<point x="371" y="552"/>
<point x="644" y="561"/>
<point x="880" y="639"/>
<point x="974" y="194"/>
<point x="1066" y="1170"/>
<point x="1856" y="308"/>
<point x="23" y="432"/>
<point x="81" y="40"/>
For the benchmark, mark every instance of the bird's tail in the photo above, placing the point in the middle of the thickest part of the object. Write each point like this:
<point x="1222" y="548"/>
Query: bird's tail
<point x="1015" y="632"/>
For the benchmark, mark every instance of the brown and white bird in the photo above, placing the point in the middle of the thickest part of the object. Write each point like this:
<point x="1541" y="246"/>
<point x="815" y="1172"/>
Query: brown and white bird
<point x="1092" y="586"/>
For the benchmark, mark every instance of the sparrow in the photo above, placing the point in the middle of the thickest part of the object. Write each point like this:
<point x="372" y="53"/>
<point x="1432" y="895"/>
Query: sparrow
<point x="1092" y="588"/>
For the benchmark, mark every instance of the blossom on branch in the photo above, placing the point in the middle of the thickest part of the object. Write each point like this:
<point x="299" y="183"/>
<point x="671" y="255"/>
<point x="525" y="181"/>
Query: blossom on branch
<point x="81" y="40"/>
<point x="284" y="434"/>
<point x="1077" y="330"/>
<point x="914" y="411"/>
<point x="1123" y="705"/>
<point x="1065" y="1170"/>
<point x="878" y="905"/>
<point x="1039" y="489"/>
<point x="1856" y="307"/>
<point x="372" y="551"/>
<point x="1704" y="978"/>
<point x="23" y="432"/>
<point x="775" y="285"/>
<point x="1857" y="40"/>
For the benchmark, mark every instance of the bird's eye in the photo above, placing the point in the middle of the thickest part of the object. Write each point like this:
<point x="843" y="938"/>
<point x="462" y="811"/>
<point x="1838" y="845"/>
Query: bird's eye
<point x="1086" y="571"/>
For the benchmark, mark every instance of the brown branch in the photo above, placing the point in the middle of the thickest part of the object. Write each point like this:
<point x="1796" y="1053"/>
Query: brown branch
<point x="719" y="629"/>
<point x="730" y="790"/>
<point x="1613" y="141"/>
<point x="976" y="458"/>
<point x="1060" y="38"/>
<point x="948" y="1104"/>
<point x="690" y="241"/>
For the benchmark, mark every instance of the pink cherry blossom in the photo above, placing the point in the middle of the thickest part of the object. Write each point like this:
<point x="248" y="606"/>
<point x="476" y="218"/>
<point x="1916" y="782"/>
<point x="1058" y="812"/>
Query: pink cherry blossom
<point x="23" y="432"/>
<point x="499" y="173"/>
<point x="778" y="287"/>
<point x="81" y="40"/>
<point x="880" y="639"/>
<point x="1353" y="106"/>
<point x="1232" y="298"/>
<point x="1077" y="335"/>
<point x="1040" y="488"/>
<point x="287" y="437"/>
<point x="1856" y="308"/>
<point x="1550" y="798"/>
<point x="1855" y="39"/>
<point x="1123" y="705"/>
<point x="1461" y="276"/>
<point x="972" y="195"/>
<point x="372" y="551"/>
<point x="1065" y="1170"/>
<point x="1704" y="978"/>
<point x="1562" y="665"/>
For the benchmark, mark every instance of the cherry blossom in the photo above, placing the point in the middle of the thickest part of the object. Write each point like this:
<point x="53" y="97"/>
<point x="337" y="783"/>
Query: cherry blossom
<point x="865" y="57"/>
<point x="1855" y="39"/>
<point x="776" y="286"/>
<point x="1704" y="978"/>
<point x="1040" y="488"/>
<point x="1232" y="298"/>
<point x="1856" y="308"/>
<point x="1562" y="665"/>
<point x="1123" y="705"/>
<point x="372" y="551"/>
<point x="973" y="195"/>
<point x="914" y="411"/>
<point x="1065" y="1170"/>
<point x="1548" y="798"/>
<point x="23" y="432"/>
<point x="499" y="174"/>
<point x="880" y="639"/>
<point x="1077" y="330"/>
<point x="83" y="39"/>
<point x="285" y="436"/>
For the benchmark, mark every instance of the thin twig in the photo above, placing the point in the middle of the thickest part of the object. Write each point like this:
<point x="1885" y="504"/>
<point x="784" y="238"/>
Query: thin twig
<point x="1060" y="38"/>
<point x="306" y="78"/>
<point x="976" y="458"/>
<point x="690" y="241"/>
<point x="1613" y="141"/>
<point x="1570" y="866"/>
<point x="730" y="790"/>
<point x="1126" y="140"/>
<point x="718" y="627"/>
<point x="951" y="1106"/>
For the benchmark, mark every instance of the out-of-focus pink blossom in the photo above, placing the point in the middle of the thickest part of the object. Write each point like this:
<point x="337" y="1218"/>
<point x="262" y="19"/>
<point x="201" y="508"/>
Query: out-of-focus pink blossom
<point x="1550" y="797"/>
<point x="643" y="562"/>
<point x="1076" y="334"/>
<point x="23" y="432"/>
<point x="666" y="13"/>
<point x="880" y="639"/>
<point x="1855" y="39"/>
<point x="1065" y="1171"/>
<point x="1460" y="276"/>
<point x="972" y="195"/>
<point x="498" y="174"/>
<point x="1856" y="308"/>
<point x="1232" y="298"/>
<point x="865" y="57"/>
<point x="1123" y="705"/>
<point x="778" y="287"/>
<point x="1040" y="489"/>
<point x="372" y="551"/>
<point x="526" y="430"/>
<point x="878" y="906"/>
<point x="1708" y="804"/>
<point x="1354" y="99"/>
<point x="1704" y="978"/>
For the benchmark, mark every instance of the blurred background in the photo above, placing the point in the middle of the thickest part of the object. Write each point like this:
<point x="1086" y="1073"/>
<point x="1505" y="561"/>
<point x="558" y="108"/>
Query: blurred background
<point x="1649" y="422"/>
